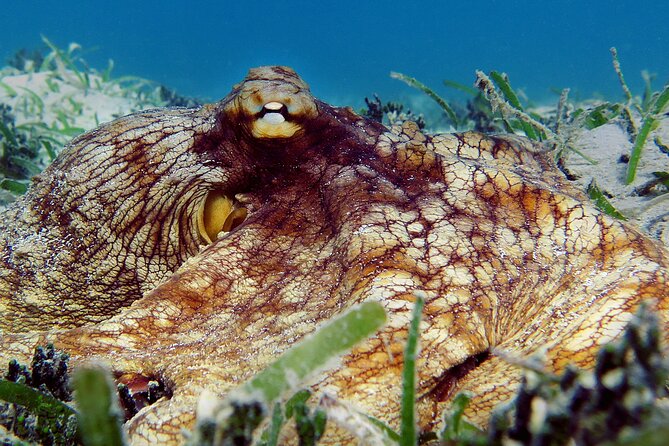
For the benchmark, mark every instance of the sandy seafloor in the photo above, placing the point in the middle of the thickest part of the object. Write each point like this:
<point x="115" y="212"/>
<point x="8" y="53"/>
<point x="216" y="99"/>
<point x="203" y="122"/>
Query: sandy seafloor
<point x="606" y="144"/>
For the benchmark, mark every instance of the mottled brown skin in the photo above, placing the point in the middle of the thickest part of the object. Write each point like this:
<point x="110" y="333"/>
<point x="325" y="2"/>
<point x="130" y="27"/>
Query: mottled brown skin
<point x="509" y="255"/>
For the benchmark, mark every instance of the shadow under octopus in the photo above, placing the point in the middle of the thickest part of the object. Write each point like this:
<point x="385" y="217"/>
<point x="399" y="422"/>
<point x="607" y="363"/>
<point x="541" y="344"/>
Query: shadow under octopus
<point x="193" y="246"/>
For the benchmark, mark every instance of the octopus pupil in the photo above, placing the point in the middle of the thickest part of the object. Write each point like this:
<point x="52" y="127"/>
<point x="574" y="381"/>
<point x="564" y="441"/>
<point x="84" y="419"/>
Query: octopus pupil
<point x="283" y="111"/>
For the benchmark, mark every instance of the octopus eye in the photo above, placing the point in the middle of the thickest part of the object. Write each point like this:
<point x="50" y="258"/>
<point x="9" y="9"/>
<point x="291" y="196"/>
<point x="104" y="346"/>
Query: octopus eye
<point x="272" y="103"/>
<point x="274" y="121"/>
<point x="218" y="213"/>
<point x="274" y="112"/>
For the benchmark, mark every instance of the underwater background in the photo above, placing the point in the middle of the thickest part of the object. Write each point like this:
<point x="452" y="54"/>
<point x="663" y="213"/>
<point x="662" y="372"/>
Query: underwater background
<point x="346" y="49"/>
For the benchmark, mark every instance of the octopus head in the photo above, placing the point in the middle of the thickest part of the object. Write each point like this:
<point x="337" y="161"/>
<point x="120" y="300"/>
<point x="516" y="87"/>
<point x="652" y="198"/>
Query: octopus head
<point x="273" y="102"/>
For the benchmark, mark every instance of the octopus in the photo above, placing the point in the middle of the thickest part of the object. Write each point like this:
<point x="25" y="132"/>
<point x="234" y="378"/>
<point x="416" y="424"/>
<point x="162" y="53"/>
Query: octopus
<point x="195" y="245"/>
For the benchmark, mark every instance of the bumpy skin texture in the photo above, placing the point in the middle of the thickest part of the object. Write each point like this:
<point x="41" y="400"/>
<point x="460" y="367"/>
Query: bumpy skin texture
<point x="341" y="210"/>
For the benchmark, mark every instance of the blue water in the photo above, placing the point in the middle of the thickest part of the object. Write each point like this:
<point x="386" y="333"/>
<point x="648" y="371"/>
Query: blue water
<point x="346" y="49"/>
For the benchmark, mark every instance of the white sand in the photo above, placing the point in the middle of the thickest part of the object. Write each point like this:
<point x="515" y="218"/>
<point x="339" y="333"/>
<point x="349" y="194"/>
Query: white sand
<point x="607" y="144"/>
<point x="65" y="101"/>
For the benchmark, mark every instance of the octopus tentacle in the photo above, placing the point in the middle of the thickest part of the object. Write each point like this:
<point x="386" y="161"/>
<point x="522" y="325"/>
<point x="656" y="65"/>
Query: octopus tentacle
<point x="111" y="218"/>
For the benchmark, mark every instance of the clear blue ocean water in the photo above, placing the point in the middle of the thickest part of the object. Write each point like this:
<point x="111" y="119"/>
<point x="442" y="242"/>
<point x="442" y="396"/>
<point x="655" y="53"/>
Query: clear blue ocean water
<point x="346" y="49"/>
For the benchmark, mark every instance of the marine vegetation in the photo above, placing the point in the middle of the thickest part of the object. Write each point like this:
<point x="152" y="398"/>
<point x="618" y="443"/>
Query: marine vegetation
<point x="503" y="111"/>
<point x="496" y="107"/>
<point x="36" y="399"/>
<point x="617" y="403"/>
<point x="42" y="107"/>
<point x="390" y="113"/>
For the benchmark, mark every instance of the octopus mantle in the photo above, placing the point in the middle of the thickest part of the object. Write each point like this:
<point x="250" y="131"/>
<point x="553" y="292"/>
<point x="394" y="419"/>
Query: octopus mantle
<point x="195" y="245"/>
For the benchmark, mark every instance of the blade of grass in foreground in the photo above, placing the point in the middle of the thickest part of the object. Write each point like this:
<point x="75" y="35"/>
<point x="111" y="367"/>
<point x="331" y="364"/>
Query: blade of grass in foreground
<point x="38" y="403"/>
<point x="408" y="435"/>
<point x="315" y="351"/>
<point x="236" y="418"/>
<point x="99" y="419"/>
